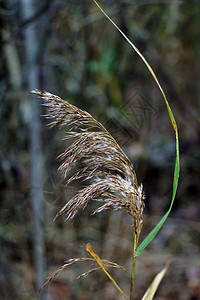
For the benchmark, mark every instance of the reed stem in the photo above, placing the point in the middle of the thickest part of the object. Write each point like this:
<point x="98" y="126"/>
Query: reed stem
<point x="133" y="267"/>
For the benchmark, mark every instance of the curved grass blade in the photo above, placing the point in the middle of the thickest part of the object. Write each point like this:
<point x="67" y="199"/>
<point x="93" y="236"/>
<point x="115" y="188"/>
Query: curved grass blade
<point x="155" y="283"/>
<point x="152" y="234"/>
<point x="93" y="253"/>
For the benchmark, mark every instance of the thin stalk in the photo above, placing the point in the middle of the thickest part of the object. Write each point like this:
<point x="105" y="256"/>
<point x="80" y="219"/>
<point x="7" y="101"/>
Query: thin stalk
<point x="133" y="266"/>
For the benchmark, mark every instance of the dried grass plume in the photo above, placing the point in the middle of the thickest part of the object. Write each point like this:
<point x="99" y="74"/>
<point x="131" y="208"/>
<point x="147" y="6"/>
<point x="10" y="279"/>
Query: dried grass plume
<point x="108" y="172"/>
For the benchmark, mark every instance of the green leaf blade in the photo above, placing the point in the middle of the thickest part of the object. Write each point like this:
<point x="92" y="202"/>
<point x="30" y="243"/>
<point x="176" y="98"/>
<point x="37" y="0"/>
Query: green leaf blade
<point x="152" y="234"/>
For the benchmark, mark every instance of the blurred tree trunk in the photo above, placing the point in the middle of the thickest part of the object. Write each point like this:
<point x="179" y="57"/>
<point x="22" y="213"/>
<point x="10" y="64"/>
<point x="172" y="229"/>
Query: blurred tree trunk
<point x="198" y="53"/>
<point x="31" y="45"/>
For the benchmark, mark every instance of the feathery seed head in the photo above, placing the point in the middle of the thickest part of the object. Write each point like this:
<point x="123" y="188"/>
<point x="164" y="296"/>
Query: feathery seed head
<point x="112" y="179"/>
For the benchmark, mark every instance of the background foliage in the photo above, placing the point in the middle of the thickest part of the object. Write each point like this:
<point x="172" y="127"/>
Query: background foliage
<point x="81" y="57"/>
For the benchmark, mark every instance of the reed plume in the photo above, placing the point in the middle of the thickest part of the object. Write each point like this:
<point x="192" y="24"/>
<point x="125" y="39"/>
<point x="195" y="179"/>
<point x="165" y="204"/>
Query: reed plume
<point x="108" y="172"/>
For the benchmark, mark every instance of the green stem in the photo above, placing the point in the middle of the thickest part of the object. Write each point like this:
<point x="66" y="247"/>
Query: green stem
<point x="133" y="267"/>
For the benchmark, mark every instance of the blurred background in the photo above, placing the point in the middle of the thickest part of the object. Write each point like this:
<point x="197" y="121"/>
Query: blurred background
<point x="68" y="48"/>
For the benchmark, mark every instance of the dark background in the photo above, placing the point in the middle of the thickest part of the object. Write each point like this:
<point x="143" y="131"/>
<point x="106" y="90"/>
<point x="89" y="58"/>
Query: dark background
<point x="70" y="49"/>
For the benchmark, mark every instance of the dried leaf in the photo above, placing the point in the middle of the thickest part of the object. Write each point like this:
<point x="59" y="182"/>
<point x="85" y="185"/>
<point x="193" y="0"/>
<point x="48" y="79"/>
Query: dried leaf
<point x="154" y="286"/>
<point x="93" y="253"/>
